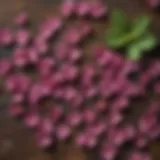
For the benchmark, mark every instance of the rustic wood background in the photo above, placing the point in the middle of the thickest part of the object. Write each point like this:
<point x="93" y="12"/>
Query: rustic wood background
<point x="16" y="142"/>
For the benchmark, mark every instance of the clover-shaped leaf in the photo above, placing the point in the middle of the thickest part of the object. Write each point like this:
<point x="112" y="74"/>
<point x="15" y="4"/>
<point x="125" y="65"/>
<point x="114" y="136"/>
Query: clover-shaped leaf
<point x="133" y="36"/>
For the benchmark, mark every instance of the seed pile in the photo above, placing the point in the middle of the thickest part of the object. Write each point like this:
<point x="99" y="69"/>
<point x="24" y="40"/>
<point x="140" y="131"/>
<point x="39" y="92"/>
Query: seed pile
<point x="88" y="97"/>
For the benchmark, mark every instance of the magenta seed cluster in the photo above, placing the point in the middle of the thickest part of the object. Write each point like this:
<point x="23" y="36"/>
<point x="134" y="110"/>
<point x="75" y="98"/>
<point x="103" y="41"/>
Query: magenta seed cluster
<point x="59" y="94"/>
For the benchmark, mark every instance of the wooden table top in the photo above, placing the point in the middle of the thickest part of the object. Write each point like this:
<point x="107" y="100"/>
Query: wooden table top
<point x="14" y="135"/>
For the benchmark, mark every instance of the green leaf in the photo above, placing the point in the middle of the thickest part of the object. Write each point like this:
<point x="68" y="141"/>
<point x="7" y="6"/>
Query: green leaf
<point x="117" y="41"/>
<point x="147" y="42"/>
<point x="118" y="23"/>
<point x="113" y="41"/>
<point x="133" y="52"/>
<point x="120" y="33"/>
<point x="133" y="35"/>
<point x="140" y="26"/>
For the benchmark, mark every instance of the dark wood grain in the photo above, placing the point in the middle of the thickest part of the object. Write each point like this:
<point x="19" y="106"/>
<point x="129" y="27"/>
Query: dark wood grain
<point x="17" y="142"/>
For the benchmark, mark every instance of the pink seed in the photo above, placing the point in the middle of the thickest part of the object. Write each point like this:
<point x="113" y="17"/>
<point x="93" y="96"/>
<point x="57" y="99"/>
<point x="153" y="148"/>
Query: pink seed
<point x="6" y="36"/>
<point x="101" y="105"/>
<point x="24" y="82"/>
<point x="103" y="92"/>
<point x="10" y="83"/>
<point x="89" y="71"/>
<point x="98" y="9"/>
<point x="89" y="116"/>
<point x="153" y="3"/>
<point x="56" y="113"/>
<point x="58" y="78"/>
<point x="78" y="100"/>
<point x="154" y="70"/>
<point x="49" y="27"/>
<point x="5" y="67"/>
<point x="43" y="140"/>
<point x="153" y="109"/>
<point x="117" y="62"/>
<point x="41" y="45"/>
<point x="80" y="139"/>
<point x="88" y="74"/>
<point x="74" y="118"/>
<point x="119" y="139"/>
<point x="67" y="8"/>
<point x="120" y="103"/>
<point x="32" y="120"/>
<point x="129" y="67"/>
<point x="58" y="92"/>
<point x="141" y="141"/>
<point x="110" y="91"/>
<point x="71" y="70"/>
<point x="108" y="152"/>
<point x="104" y="57"/>
<point x="55" y="24"/>
<point x="45" y="66"/>
<point x="90" y="91"/>
<point x="37" y="92"/>
<point x="63" y="131"/>
<point x="72" y="36"/>
<point x="157" y="88"/>
<point x="137" y="155"/>
<point x="82" y="8"/>
<point x="62" y="51"/>
<point x="25" y="56"/>
<point x="34" y="95"/>
<point x="129" y="132"/>
<point x="98" y="128"/>
<point x="20" y="58"/>
<point x="99" y="51"/>
<point x="32" y="55"/>
<point x="18" y="83"/>
<point x="75" y="55"/>
<point x="17" y="98"/>
<point x="70" y="93"/>
<point x="47" y="126"/>
<point x="15" y="110"/>
<point x="146" y="156"/>
<point x="116" y="136"/>
<point x="145" y="124"/>
<point x="118" y="86"/>
<point x="132" y="90"/>
<point x="154" y="132"/>
<point x="115" y="118"/>
<point x="86" y="29"/>
<point x="23" y="37"/>
<point x="22" y="19"/>
<point x="91" y="141"/>
<point x="46" y="33"/>
<point x="145" y="79"/>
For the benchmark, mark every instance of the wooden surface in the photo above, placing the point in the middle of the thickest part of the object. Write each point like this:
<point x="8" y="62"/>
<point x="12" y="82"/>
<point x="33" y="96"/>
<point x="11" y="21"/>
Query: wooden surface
<point x="19" y="142"/>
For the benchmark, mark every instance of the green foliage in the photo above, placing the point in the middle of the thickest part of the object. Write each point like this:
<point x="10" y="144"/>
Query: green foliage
<point x="133" y="36"/>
